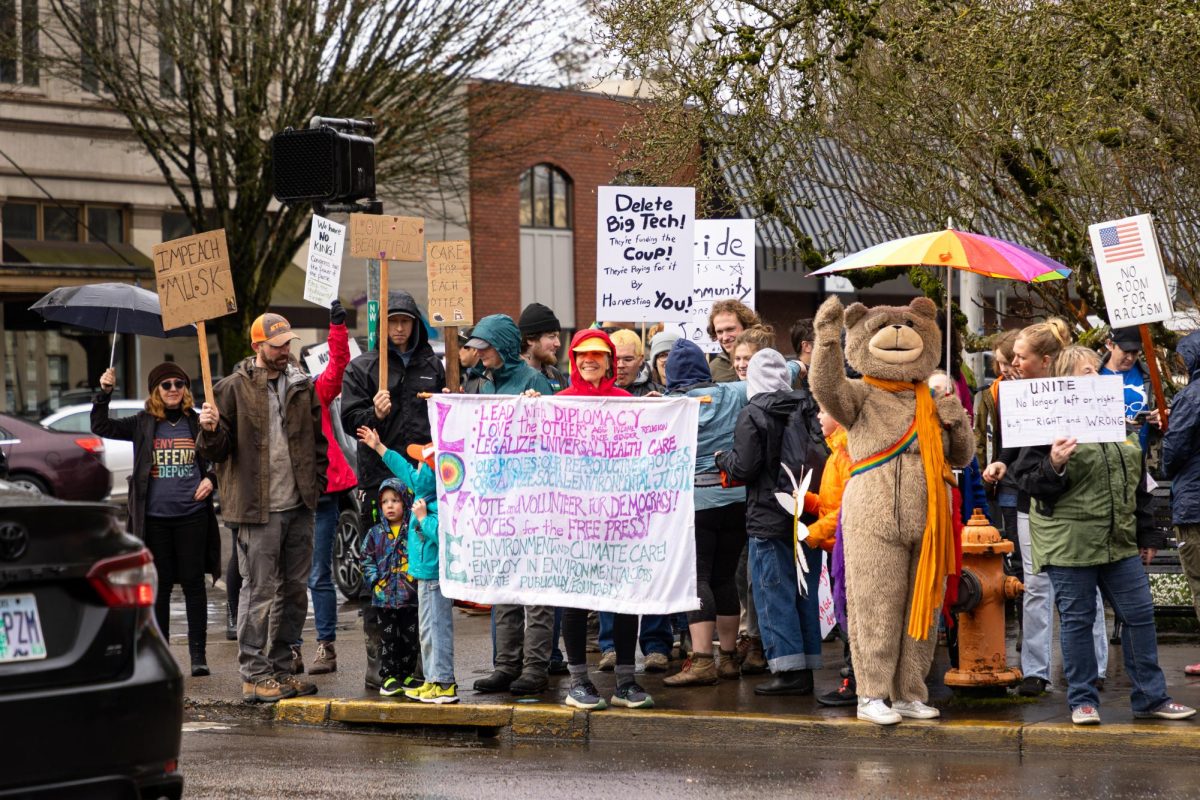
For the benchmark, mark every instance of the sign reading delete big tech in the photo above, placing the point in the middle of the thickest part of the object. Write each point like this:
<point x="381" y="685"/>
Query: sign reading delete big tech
<point x="644" y="239"/>
<point x="580" y="503"/>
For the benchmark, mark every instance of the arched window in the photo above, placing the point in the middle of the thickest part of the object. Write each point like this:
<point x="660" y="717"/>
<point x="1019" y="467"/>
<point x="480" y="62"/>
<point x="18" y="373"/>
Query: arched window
<point x="546" y="198"/>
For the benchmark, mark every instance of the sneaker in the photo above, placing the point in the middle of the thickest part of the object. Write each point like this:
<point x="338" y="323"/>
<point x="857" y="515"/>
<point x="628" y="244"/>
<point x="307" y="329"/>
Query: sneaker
<point x="1086" y="715"/>
<point x="844" y="695"/>
<point x="915" y="709"/>
<point x="632" y="696"/>
<point x="873" y="709"/>
<point x="301" y="686"/>
<point x="267" y="690"/>
<point x="297" y="667"/>
<point x="326" y="660"/>
<point x="391" y="687"/>
<point x="1167" y="710"/>
<point x="438" y="694"/>
<point x="416" y="692"/>
<point x="1192" y="669"/>
<point x="584" y="695"/>
<point x="1033" y="686"/>
<point x="608" y="661"/>
<point x="656" y="662"/>
<point x="698" y="670"/>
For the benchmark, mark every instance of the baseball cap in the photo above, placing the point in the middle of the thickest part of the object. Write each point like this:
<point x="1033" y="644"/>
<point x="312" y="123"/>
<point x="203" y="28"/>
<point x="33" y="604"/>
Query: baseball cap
<point x="421" y="452"/>
<point x="477" y="343"/>
<point x="592" y="344"/>
<point x="273" y="329"/>
<point x="1127" y="339"/>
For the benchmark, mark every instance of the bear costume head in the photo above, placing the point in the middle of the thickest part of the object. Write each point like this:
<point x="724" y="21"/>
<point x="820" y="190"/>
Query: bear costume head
<point x="894" y="343"/>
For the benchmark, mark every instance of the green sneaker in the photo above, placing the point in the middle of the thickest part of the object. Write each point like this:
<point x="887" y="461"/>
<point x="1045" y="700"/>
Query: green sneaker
<point x="415" y="694"/>
<point x="438" y="694"/>
<point x="391" y="687"/>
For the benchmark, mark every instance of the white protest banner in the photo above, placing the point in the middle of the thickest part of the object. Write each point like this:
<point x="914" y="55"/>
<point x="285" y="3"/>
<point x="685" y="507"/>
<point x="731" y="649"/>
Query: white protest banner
<point x="325" y="241"/>
<point x="1037" y="411"/>
<point x="317" y="357"/>
<point x="564" y="501"/>
<point x="723" y="264"/>
<point x="825" y="598"/>
<point x="644" y="238"/>
<point x="1131" y="271"/>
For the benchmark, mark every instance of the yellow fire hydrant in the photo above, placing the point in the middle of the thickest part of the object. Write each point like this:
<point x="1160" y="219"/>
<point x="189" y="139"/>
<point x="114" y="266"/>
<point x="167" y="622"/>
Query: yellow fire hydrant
<point x="982" y="590"/>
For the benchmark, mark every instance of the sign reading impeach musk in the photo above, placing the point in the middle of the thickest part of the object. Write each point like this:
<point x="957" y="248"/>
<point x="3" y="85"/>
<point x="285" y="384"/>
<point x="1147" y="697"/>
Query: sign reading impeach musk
<point x="193" y="279"/>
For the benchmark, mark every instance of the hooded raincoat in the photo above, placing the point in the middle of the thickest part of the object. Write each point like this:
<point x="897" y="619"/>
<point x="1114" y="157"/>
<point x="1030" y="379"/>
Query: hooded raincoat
<point x="513" y="376"/>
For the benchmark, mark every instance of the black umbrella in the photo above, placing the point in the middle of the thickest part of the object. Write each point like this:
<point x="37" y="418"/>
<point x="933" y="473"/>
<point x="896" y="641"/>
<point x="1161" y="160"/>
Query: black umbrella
<point x="109" y="307"/>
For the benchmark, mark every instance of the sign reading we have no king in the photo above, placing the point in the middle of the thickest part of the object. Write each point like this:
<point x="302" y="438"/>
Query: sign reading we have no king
<point x="1036" y="411"/>
<point x="193" y="279"/>
<point x="723" y="264"/>
<point x="1131" y="271"/>
<point x="325" y="243"/>
<point x="566" y="501"/>
<point x="644" y="239"/>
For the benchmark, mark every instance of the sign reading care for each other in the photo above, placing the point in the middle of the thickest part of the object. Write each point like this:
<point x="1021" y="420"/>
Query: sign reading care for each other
<point x="581" y="503"/>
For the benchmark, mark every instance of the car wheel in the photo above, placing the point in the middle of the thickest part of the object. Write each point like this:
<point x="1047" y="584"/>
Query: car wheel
<point x="29" y="482"/>
<point x="347" y="547"/>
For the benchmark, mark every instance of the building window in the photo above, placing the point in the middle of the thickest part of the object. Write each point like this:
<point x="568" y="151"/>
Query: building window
<point x="27" y="219"/>
<point x="19" y="42"/>
<point x="546" y="198"/>
<point x="105" y="224"/>
<point x="20" y="220"/>
<point x="176" y="225"/>
<point x="60" y="223"/>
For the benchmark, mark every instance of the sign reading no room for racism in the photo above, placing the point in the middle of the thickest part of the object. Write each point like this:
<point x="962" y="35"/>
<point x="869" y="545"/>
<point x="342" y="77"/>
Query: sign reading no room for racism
<point x="193" y="279"/>
<point x="644" y="239"/>
<point x="1131" y="271"/>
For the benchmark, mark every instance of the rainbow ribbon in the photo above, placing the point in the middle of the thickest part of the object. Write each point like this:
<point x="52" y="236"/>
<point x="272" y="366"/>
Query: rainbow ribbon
<point x="883" y="456"/>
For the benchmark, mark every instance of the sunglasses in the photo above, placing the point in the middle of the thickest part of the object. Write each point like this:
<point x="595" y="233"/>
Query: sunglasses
<point x="167" y="386"/>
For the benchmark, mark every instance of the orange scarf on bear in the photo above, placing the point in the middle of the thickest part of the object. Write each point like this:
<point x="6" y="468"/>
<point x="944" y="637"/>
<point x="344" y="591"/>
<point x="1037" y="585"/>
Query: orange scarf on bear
<point x="937" y="546"/>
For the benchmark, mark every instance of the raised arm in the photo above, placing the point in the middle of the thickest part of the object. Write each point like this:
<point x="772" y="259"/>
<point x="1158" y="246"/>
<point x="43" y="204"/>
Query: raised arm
<point x="827" y="380"/>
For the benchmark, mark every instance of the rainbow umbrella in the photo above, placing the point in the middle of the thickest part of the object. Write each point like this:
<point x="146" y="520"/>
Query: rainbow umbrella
<point x="972" y="252"/>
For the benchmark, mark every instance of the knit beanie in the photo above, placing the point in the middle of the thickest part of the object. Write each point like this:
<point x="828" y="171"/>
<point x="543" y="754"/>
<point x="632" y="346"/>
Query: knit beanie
<point x="537" y="318"/>
<point x="661" y="343"/>
<point x="767" y="373"/>
<point x="167" y="369"/>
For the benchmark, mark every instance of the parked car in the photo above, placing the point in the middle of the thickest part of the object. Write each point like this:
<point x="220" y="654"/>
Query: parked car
<point x="69" y="466"/>
<point x="91" y="699"/>
<point x="118" y="454"/>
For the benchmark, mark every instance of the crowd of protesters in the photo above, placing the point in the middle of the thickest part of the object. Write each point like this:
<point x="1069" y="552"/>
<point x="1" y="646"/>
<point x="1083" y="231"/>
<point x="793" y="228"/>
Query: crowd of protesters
<point x="1079" y="514"/>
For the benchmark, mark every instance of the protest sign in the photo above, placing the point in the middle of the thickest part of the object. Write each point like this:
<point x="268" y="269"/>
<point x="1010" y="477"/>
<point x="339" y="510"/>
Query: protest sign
<point x="644" y="238"/>
<point x="448" y="268"/>
<point x="1131" y="271"/>
<point x="723" y="264"/>
<point x="386" y="237"/>
<point x="1037" y="411"/>
<point x="325" y="242"/>
<point x="317" y="356"/>
<point x="825" y="598"/>
<point x="563" y="501"/>
<point x="193" y="279"/>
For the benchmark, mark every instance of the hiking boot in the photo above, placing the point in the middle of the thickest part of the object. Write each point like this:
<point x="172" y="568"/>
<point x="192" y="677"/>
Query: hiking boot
<point x="1167" y="710"/>
<point x="529" y="684"/>
<point x="844" y="695"/>
<point x="231" y="623"/>
<point x="1086" y="715"/>
<point x="608" y="661"/>
<point x="915" y="709"/>
<point x="267" y="690"/>
<point x="200" y="667"/>
<point x="326" y="660"/>
<point x="789" y="682"/>
<point x="558" y="667"/>
<point x="873" y="709"/>
<point x="753" y="661"/>
<point x="632" y="696"/>
<point x="698" y="670"/>
<point x="299" y="685"/>
<point x="1032" y="686"/>
<point x="656" y="662"/>
<point x="728" y="666"/>
<point x="297" y="667"/>
<point x="584" y="695"/>
<point x="496" y="682"/>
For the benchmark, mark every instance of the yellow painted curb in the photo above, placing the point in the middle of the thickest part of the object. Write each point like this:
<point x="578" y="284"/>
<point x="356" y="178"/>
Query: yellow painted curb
<point x="549" y="722"/>
<point x="303" y="710"/>
<point x="403" y="712"/>
<point x="1158" y="738"/>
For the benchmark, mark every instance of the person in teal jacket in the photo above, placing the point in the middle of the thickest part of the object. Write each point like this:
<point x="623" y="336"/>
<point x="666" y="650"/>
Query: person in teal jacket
<point x="435" y="610"/>
<point x="498" y="340"/>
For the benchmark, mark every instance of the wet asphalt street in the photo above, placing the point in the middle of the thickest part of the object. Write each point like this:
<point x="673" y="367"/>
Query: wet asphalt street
<point x="257" y="760"/>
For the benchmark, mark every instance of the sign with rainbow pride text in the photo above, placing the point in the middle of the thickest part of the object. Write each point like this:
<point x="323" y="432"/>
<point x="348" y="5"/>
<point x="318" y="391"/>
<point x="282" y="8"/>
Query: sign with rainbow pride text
<point x="573" y="502"/>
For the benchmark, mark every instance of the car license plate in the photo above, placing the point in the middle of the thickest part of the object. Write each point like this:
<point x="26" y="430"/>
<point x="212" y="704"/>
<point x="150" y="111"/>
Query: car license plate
<point x="20" y="629"/>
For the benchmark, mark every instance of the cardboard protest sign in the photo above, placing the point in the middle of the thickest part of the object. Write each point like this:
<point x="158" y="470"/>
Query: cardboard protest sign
<point x="1037" y="411"/>
<point x="387" y="238"/>
<point x="317" y="357"/>
<point x="325" y="244"/>
<point x="644" y="238"/>
<point x="193" y="279"/>
<point x="562" y="501"/>
<point x="1131" y="271"/>
<point x="448" y="268"/>
<point x="723" y="269"/>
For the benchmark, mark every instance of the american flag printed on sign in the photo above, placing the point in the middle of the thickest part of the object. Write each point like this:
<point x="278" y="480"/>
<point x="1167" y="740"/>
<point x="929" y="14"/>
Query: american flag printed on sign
<point x="1121" y="242"/>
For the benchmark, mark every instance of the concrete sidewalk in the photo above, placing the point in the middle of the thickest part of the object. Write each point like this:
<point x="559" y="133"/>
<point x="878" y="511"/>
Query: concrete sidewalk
<point x="729" y="711"/>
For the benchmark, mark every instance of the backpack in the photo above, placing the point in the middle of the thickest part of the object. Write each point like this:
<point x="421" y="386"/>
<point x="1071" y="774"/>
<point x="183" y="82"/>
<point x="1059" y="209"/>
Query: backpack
<point x="802" y="447"/>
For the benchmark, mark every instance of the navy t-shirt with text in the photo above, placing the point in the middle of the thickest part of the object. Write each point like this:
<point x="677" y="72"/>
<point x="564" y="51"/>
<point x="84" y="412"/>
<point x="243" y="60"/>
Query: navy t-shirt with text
<point x="174" y="475"/>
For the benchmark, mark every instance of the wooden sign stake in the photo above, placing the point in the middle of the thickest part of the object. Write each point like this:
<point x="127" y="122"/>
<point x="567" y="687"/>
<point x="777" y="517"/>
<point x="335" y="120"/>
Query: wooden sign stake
<point x="381" y="324"/>
<point x="452" y="365"/>
<point x="1155" y="377"/>
<point x="205" y="370"/>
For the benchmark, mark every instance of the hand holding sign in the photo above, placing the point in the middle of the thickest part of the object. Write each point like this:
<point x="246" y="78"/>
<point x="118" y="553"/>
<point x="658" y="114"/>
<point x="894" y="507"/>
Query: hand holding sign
<point x="1061" y="452"/>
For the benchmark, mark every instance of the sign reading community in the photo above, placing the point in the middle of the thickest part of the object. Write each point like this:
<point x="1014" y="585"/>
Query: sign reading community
<point x="570" y="502"/>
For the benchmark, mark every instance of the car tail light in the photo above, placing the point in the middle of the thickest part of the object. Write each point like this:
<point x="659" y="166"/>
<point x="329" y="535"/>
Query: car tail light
<point x="128" y="581"/>
<point x="93" y="444"/>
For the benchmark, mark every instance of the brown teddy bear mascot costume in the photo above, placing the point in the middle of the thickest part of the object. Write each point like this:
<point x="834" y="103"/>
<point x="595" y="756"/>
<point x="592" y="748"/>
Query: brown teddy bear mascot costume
<point x="896" y="516"/>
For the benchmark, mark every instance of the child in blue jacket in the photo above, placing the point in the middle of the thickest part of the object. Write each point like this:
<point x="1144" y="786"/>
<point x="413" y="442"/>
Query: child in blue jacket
<point x="435" y="610"/>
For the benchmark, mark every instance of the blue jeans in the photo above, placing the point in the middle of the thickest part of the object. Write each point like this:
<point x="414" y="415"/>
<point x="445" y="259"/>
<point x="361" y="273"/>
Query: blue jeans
<point x="654" y="634"/>
<point x="790" y="624"/>
<point x="320" y="577"/>
<point x="1127" y="590"/>
<point x="436" y="614"/>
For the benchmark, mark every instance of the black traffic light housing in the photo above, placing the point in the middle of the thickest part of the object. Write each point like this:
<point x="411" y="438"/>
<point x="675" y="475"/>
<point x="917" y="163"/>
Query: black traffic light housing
<point x="331" y="164"/>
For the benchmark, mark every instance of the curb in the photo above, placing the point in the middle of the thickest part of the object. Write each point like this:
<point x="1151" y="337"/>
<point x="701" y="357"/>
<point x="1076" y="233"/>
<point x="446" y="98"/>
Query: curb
<point x="519" y="723"/>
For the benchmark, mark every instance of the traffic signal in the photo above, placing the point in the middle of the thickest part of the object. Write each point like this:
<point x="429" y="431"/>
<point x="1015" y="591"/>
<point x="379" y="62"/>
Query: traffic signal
<point x="322" y="165"/>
